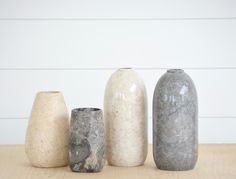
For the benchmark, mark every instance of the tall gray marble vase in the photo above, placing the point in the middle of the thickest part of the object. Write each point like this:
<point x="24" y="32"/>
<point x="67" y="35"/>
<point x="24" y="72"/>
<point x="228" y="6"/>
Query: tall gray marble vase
<point x="86" y="140"/>
<point x="175" y="122"/>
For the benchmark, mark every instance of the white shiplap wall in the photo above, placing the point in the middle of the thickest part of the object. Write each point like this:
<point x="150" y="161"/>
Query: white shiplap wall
<point x="74" y="46"/>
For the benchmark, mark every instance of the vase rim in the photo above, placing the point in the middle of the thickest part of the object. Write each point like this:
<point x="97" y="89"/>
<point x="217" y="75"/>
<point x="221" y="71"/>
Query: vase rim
<point x="125" y="68"/>
<point x="175" y="70"/>
<point x="49" y="92"/>
<point x="86" y="109"/>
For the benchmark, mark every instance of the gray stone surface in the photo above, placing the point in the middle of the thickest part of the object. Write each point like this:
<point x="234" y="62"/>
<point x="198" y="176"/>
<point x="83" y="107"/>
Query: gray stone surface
<point x="87" y="140"/>
<point x="175" y="122"/>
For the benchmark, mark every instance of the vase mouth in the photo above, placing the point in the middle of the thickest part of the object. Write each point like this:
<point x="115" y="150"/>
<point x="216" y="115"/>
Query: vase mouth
<point x="177" y="70"/>
<point x="86" y="109"/>
<point x="125" y="68"/>
<point x="49" y="92"/>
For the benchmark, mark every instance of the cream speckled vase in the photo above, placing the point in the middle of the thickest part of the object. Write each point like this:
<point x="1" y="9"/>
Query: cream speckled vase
<point x="125" y="114"/>
<point x="46" y="142"/>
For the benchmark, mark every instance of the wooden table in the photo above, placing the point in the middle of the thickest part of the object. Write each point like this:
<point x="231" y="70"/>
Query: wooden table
<point x="214" y="162"/>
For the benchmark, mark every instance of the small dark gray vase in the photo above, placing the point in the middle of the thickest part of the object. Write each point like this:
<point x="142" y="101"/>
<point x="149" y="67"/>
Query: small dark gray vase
<point x="175" y="122"/>
<point x="87" y="140"/>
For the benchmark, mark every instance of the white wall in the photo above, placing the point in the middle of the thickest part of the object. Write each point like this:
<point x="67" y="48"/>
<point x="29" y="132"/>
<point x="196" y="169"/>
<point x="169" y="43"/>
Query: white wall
<point x="74" y="46"/>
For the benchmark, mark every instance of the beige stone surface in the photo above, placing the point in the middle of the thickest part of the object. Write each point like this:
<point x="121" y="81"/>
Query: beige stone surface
<point x="46" y="143"/>
<point x="125" y="114"/>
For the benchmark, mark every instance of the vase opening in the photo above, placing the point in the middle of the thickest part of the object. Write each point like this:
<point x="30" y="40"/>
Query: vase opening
<point x="86" y="109"/>
<point x="125" y="68"/>
<point x="52" y="92"/>
<point x="49" y="92"/>
<point x="175" y="71"/>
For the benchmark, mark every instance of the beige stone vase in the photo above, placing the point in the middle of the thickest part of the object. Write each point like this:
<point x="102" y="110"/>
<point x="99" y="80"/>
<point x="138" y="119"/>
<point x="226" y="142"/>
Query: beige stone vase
<point x="46" y="142"/>
<point x="125" y="114"/>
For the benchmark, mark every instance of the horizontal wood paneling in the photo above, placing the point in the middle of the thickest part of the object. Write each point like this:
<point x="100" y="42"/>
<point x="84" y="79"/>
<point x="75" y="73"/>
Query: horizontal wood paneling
<point x="13" y="130"/>
<point x="117" y="9"/>
<point x="111" y="44"/>
<point x="74" y="46"/>
<point x="217" y="130"/>
<point x="216" y="89"/>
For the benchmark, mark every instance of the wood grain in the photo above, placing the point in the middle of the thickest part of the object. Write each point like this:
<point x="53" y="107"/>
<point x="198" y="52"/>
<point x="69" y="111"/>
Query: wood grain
<point x="215" y="161"/>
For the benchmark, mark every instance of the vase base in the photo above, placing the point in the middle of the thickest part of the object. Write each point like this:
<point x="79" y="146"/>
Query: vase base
<point x="186" y="168"/>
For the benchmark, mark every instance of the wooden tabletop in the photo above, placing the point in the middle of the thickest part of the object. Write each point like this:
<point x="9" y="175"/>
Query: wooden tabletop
<point x="214" y="162"/>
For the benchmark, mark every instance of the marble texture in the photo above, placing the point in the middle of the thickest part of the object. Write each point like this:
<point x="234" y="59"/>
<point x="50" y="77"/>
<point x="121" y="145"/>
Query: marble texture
<point x="125" y="113"/>
<point x="175" y="122"/>
<point x="87" y="140"/>
<point x="46" y="143"/>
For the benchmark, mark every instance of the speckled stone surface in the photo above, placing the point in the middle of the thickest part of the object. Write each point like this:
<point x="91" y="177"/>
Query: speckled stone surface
<point x="175" y="122"/>
<point x="125" y="112"/>
<point x="87" y="140"/>
<point x="46" y="142"/>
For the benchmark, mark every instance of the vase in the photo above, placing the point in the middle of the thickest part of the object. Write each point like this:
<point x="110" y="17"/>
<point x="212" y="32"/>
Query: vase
<point x="46" y="142"/>
<point x="87" y="140"/>
<point x="175" y="122"/>
<point x="125" y="113"/>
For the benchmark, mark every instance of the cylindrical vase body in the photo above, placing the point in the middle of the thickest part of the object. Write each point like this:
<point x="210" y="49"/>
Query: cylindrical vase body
<point x="125" y="112"/>
<point x="175" y="122"/>
<point x="87" y="140"/>
<point x="46" y="142"/>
